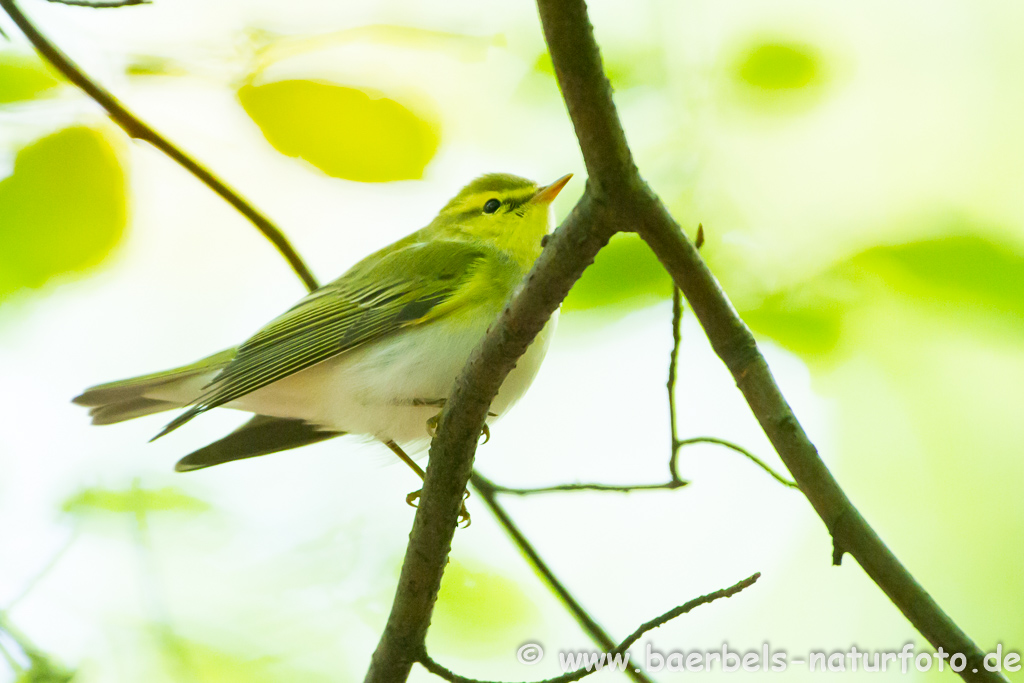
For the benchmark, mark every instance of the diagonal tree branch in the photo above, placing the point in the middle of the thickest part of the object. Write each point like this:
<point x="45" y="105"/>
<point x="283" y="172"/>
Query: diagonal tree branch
<point x="136" y="128"/>
<point x="570" y="250"/>
<point x="587" y="94"/>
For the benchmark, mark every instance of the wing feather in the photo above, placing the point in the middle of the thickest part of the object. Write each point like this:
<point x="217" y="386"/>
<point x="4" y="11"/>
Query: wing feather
<point x="377" y="297"/>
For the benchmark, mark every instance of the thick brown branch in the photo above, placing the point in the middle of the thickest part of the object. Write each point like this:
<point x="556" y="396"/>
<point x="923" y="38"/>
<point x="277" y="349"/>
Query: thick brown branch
<point x="569" y="251"/>
<point x="577" y="64"/>
<point x="578" y="67"/>
<point x="136" y="128"/>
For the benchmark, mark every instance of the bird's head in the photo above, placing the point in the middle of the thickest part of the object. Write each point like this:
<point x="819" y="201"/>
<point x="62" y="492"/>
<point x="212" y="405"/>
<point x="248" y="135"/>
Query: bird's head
<point x="511" y="213"/>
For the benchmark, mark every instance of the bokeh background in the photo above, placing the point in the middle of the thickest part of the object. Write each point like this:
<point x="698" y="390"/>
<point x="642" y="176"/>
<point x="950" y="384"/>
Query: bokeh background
<point x="857" y="168"/>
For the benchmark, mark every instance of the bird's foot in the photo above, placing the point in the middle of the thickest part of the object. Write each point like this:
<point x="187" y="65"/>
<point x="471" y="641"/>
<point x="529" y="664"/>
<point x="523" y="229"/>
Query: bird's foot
<point x="464" y="518"/>
<point x="432" y="423"/>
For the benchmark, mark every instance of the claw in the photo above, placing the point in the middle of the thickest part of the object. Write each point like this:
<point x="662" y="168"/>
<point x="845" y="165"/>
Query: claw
<point x="464" y="518"/>
<point x="432" y="425"/>
<point x="486" y="434"/>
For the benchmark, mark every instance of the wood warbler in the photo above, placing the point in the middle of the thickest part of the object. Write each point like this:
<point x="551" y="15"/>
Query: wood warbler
<point x="373" y="353"/>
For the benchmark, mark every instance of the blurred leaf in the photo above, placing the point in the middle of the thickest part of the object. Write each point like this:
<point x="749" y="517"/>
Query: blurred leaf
<point x="154" y="65"/>
<point x="43" y="670"/>
<point x="778" y="66"/>
<point x="772" y="77"/>
<point x="197" y="661"/>
<point x="961" y="271"/>
<point x="62" y="210"/>
<point x="24" y="77"/>
<point x="806" y="320"/>
<point x="344" y="132"/>
<point x="626" y="272"/>
<point x="957" y="274"/>
<point x="93" y="500"/>
<point x="478" y="608"/>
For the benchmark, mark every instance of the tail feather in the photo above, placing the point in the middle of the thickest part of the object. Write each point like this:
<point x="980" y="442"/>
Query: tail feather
<point x="261" y="435"/>
<point x="128" y="409"/>
<point x="130" y="398"/>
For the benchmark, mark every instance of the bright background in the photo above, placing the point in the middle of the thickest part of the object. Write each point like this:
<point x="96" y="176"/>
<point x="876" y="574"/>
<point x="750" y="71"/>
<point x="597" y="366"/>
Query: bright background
<point x="857" y="168"/>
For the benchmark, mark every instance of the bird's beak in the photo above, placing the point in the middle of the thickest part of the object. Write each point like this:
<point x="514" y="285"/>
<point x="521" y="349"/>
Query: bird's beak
<point x="547" y="194"/>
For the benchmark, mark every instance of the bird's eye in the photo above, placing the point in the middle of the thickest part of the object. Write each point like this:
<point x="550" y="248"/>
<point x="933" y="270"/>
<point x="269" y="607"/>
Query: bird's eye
<point x="491" y="206"/>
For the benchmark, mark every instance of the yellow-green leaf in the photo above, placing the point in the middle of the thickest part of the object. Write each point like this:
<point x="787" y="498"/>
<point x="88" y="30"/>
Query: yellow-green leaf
<point x="94" y="500"/>
<point x="778" y="66"/>
<point x="626" y="273"/>
<point x="23" y="77"/>
<point x="477" y="609"/>
<point x="345" y="132"/>
<point x="62" y="210"/>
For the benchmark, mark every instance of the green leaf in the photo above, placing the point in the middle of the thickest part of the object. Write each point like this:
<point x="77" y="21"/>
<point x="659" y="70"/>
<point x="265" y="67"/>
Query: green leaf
<point x="806" y="320"/>
<point x="956" y="275"/>
<point x="778" y="66"/>
<point x="62" y="210"/>
<point x="24" y="77"/>
<point x="625" y="273"/>
<point x="345" y="132"/>
<point x="133" y="500"/>
<point x="961" y="271"/>
<point x="44" y="670"/>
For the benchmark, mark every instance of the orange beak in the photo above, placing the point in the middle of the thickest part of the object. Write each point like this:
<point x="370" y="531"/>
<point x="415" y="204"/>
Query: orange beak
<point x="547" y="194"/>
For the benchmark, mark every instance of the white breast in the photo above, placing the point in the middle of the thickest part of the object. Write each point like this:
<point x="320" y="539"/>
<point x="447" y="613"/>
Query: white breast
<point x="369" y="390"/>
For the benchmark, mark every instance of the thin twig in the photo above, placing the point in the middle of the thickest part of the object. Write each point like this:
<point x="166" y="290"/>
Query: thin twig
<point x="445" y="673"/>
<point x="487" y="490"/>
<point x="38" y="576"/>
<point x="673" y="364"/>
<point x="602" y="488"/>
<point x="742" y="451"/>
<point x="136" y="128"/>
<point x="101" y="5"/>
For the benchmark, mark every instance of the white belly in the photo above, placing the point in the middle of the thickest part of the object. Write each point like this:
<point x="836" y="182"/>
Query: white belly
<point x="369" y="390"/>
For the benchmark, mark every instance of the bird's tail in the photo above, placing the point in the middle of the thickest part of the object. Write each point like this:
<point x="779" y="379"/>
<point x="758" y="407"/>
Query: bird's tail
<point x="130" y="398"/>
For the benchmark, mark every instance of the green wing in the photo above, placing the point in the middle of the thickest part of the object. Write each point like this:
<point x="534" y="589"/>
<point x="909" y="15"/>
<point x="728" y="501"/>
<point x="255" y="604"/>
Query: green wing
<point x="377" y="297"/>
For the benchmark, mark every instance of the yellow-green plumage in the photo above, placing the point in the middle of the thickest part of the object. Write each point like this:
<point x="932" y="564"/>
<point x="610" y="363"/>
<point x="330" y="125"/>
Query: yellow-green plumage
<point x="374" y="351"/>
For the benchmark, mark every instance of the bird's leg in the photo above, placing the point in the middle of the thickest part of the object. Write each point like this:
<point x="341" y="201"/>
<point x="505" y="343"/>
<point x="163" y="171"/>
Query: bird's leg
<point x="433" y="421"/>
<point x="464" y="519"/>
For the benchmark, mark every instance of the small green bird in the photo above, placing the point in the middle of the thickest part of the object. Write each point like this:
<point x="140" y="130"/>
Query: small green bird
<point x="373" y="353"/>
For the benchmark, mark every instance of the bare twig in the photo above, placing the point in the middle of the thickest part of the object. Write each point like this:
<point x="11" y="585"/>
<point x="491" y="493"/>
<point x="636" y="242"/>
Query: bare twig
<point x="438" y="670"/>
<point x="136" y="128"/>
<point x="603" y="488"/>
<point x="99" y="4"/>
<point x="39" y="575"/>
<point x="587" y="94"/>
<point x="487" y="491"/>
<point x="673" y="364"/>
<point x="744" y="452"/>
